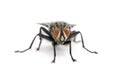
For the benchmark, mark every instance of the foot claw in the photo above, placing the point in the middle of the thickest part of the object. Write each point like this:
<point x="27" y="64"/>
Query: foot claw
<point x="74" y="60"/>
<point x="53" y="61"/>
<point x="95" y="52"/>
<point x="16" y="51"/>
<point x="37" y="49"/>
<point x="19" y="51"/>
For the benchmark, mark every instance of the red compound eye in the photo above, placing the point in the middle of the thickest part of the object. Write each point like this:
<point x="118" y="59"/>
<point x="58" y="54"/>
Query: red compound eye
<point x="56" y="32"/>
<point x="66" y="31"/>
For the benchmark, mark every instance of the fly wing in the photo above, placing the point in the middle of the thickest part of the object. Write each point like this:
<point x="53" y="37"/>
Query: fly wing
<point x="44" y="24"/>
<point x="72" y="25"/>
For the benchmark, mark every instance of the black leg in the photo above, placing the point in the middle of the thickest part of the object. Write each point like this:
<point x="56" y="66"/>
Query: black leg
<point x="39" y="42"/>
<point x="27" y="48"/>
<point x="84" y="45"/>
<point x="43" y="36"/>
<point x="39" y="45"/>
<point x="53" y="61"/>
<point x="74" y="34"/>
<point x="45" y="30"/>
<point x="71" y="53"/>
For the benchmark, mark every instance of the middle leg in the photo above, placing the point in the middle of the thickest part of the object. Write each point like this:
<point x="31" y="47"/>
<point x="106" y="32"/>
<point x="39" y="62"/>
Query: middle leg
<point x="44" y="36"/>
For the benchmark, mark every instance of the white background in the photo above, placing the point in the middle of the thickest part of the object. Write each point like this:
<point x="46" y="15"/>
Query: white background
<point x="98" y="21"/>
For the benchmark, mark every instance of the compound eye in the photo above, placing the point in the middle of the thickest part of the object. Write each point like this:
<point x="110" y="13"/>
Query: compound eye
<point x="66" y="31"/>
<point x="56" y="32"/>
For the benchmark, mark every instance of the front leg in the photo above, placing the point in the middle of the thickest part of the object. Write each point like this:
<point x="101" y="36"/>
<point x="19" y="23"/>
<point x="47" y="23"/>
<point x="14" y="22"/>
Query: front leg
<point x="53" y="61"/>
<point x="71" y="53"/>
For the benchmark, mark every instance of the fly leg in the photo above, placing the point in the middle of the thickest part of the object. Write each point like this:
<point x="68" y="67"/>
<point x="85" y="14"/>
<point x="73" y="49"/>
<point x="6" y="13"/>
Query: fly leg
<point x="84" y="45"/>
<point x="74" y="34"/>
<point x="71" y="53"/>
<point x="29" y="46"/>
<point x="43" y="36"/>
<point x="53" y="61"/>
